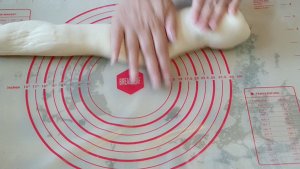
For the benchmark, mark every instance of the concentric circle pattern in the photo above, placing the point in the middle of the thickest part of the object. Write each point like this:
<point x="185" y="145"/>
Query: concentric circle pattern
<point x="80" y="115"/>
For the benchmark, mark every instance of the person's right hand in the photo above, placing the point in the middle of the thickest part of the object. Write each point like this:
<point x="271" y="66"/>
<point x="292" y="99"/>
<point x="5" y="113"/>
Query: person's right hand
<point x="207" y="14"/>
<point x="146" y="27"/>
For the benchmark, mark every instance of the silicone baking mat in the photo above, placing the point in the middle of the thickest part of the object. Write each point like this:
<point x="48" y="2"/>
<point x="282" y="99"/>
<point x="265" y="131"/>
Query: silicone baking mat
<point x="236" y="108"/>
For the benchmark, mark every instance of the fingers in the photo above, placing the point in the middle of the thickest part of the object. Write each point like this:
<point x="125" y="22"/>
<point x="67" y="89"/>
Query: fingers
<point x="150" y="58"/>
<point x="171" y="24"/>
<point x="132" y="47"/>
<point x="117" y="37"/>
<point x="207" y="14"/>
<point x="148" y="27"/>
<point x="234" y="6"/>
<point x="162" y="51"/>
<point x="217" y="15"/>
<point x="196" y="9"/>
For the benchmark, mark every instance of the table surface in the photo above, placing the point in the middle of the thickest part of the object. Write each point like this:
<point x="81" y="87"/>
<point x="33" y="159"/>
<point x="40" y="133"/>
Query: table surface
<point x="237" y="108"/>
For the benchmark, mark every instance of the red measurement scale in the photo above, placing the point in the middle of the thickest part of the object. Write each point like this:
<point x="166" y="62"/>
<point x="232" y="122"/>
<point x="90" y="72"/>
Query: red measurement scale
<point x="14" y="15"/>
<point x="274" y="115"/>
<point x="261" y="4"/>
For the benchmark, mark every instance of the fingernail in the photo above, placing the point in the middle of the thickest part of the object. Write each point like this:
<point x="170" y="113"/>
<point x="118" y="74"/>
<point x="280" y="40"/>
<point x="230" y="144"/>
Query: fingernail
<point x="133" y="77"/>
<point x="213" y="26"/>
<point x="168" y="82"/>
<point x="113" y="59"/>
<point x="231" y="11"/>
<point x="204" y="28"/>
<point x="112" y="62"/>
<point x="171" y="36"/>
<point x="156" y="85"/>
<point x="195" y="21"/>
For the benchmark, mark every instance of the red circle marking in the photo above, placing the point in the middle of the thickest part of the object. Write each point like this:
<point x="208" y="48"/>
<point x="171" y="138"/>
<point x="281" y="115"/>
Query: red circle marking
<point x="80" y="15"/>
<point x="119" y="117"/>
<point x="102" y="128"/>
<point x="54" y="121"/>
<point x="200" y="126"/>
<point x="32" y="121"/>
<point x="51" y="118"/>
<point x="123" y="160"/>
<point x="211" y="141"/>
<point x="94" y="16"/>
<point x="99" y="156"/>
<point x="190" y="59"/>
<point x="123" y="125"/>
<point x="200" y="62"/>
<point x="88" y="131"/>
<point x="208" y="61"/>
<point x="71" y="78"/>
<point x="63" y="120"/>
<point x="215" y="59"/>
<point x="225" y="61"/>
<point x="215" y="136"/>
<point x="75" y="66"/>
<point x="102" y="19"/>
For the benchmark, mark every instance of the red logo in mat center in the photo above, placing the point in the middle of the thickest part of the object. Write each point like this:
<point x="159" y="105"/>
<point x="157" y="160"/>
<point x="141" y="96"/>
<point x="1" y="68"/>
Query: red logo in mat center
<point x="124" y="84"/>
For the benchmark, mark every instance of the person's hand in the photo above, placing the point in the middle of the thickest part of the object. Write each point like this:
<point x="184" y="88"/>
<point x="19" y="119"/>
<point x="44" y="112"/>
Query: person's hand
<point x="146" y="27"/>
<point x="207" y="14"/>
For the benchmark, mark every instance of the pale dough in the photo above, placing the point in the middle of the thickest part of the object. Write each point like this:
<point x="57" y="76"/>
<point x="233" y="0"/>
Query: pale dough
<point x="44" y="39"/>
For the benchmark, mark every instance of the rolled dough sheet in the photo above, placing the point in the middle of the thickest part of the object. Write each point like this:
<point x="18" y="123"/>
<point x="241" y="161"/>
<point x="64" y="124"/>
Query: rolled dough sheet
<point x="45" y="39"/>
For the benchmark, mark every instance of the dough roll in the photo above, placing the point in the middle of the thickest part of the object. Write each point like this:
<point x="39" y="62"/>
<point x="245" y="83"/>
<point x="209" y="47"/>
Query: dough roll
<point x="45" y="39"/>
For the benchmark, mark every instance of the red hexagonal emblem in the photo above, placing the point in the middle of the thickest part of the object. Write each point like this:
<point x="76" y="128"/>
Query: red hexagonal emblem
<point x="123" y="83"/>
